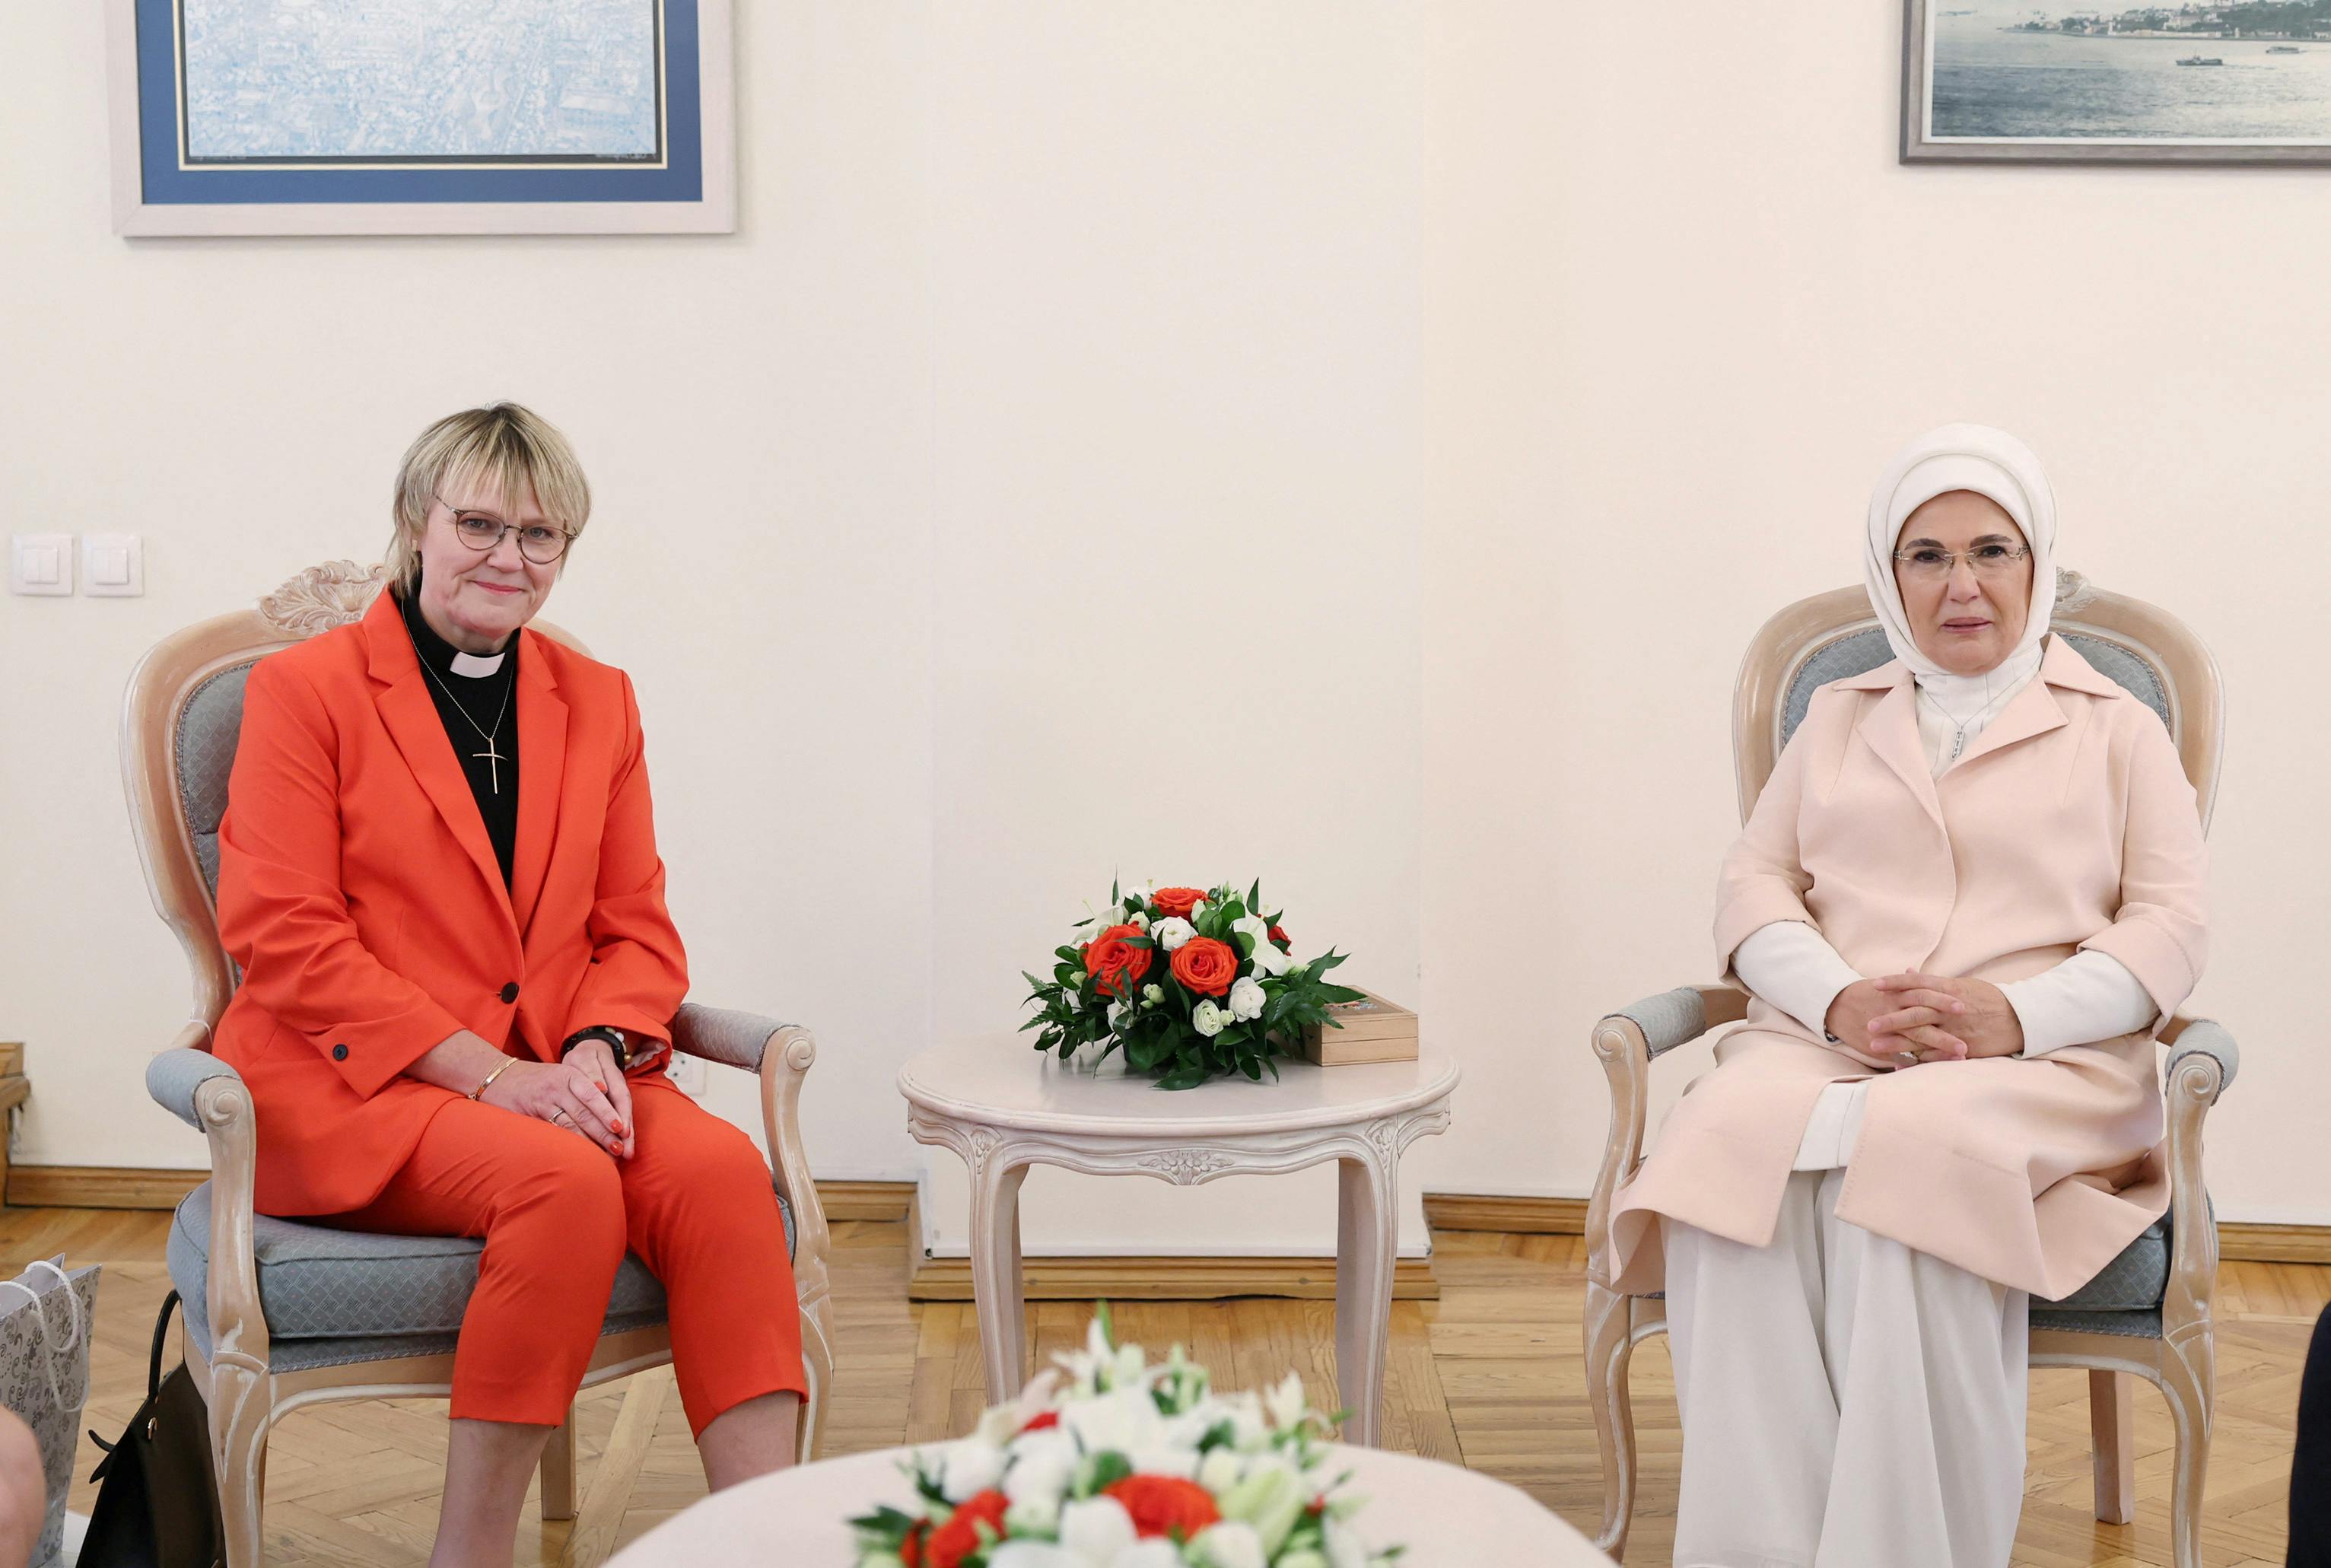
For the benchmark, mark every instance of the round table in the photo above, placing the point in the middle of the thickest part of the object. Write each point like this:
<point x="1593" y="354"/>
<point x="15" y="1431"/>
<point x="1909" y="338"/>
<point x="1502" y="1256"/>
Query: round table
<point x="1003" y="1109"/>
<point x="798" y="1518"/>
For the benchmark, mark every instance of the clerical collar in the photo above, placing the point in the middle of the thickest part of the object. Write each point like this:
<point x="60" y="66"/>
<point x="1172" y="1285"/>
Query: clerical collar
<point x="434" y="650"/>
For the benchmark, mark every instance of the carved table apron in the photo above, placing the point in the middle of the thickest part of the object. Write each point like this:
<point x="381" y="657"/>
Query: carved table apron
<point x="1002" y="1112"/>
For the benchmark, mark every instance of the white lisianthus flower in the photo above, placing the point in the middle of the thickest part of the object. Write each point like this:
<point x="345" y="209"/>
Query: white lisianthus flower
<point x="1217" y="1472"/>
<point x="1137" y="920"/>
<point x="1285" y="1402"/>
<point x="1096" y="1530"/>
<point x="1040" y="1470"/>
<point x="1151" y="995"/>
<point x="1207" y="1019"/>
<point x="1246" y="998"/>
<point x="1032" y="1554"/>
<point x="971" y="1466"/>
<point x="1115" y="1011"/>
<point x="1164" y="1459"/>
<point x="1136" y="894"/>
<point x="1171" y="932"/>
<point x="1124" y="1418"/>
<point x="1035" y="1517"/>
<point x="1345" y="1548"/>
<point x="1155" y="1552"/>
<point x="1266" y="957"/>
<point x="1228" y="1544"/>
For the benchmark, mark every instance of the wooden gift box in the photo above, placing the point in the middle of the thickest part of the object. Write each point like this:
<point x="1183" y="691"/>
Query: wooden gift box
<point x="1374" y="1030"/>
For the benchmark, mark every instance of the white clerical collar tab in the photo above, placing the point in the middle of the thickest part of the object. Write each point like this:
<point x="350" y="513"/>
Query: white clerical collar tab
<point x="472" y="665"/>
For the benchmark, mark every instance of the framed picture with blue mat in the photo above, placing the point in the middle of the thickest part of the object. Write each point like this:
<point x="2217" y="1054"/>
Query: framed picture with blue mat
<point x="421" y="117"/>
<point x="2229" y="81"/>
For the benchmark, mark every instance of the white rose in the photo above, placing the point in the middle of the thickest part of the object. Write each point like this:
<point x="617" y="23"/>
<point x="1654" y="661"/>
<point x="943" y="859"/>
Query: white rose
<point x="1165" y="1459"/>
<point x="1246" y="998"/>
<point x="1171" y="932"/>
<point x="1266" y="957"/>
<point x="1207" y="1019"/>
<point x="1033" y="1517"/>
<point x="1228" y="1544"/>
<point x="1096" y="1530"/>
<point x="971" y="1468"/>
<point x="1040" y="1470"/>
<point x="1217" y="1472"/>
<point x="1032" y="1554"/>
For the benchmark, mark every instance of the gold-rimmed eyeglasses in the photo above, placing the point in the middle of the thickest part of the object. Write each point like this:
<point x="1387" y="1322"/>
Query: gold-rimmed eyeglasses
<point x="1931" y="561"/>
<point x="481" y="531"/>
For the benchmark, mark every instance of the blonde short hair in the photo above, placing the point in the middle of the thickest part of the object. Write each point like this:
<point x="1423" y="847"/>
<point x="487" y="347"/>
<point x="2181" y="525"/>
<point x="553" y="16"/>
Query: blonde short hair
<point x="507" y="445"/>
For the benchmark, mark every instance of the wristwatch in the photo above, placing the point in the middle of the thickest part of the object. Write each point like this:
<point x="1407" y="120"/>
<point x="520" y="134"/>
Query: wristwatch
<point x="615" y="1039"/>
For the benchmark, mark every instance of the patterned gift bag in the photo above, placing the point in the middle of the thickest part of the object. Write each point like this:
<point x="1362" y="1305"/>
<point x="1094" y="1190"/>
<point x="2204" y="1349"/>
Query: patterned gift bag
<point x="45" y="1316"/>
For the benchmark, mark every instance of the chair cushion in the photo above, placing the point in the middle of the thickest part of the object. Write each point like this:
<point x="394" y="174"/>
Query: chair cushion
<point x="1867" y="649"/>
<point x="2135" y="1281"/>
<point x="318" y="1283"/>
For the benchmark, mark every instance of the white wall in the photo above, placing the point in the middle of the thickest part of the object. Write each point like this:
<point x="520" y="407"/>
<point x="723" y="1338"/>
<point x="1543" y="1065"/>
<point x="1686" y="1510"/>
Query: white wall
<point x="1428" y="401"/>
<point x="1682" y="305"/>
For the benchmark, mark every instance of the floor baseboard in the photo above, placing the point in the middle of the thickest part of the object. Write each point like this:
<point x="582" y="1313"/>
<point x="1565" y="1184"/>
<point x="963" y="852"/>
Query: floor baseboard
<point x="1162" y="1279"/>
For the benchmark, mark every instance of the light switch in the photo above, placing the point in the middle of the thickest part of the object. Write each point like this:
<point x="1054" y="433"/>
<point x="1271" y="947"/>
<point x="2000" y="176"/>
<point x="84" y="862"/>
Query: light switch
<point x="112" y="566"/>
<point x="40" y="563"/>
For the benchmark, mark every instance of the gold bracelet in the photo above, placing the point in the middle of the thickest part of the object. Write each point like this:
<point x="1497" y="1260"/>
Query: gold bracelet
<point x="508" y="1062"/>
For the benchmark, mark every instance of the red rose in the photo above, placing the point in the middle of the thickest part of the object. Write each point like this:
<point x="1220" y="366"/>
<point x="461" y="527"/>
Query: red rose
<point x="1116" y="964"/>
<point x="910" y="1550"/>
<point x="1165" y="1505"/>
<point x="1175" y="900"/>
<point x="1281" y="940"/>
<point x="1050" y="1418"/>
<point x="1205" y="966"/>
<point x="957" y="1539"/>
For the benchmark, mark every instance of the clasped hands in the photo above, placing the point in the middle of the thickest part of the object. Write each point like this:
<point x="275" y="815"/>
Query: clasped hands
<point x="583" y="1094"/>
<point x="1912" y="1018"/>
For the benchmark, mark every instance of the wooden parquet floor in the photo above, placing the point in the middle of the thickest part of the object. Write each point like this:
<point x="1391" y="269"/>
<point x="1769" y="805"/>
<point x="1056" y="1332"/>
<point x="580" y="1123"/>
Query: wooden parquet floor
<point x="1487" y="1376"/>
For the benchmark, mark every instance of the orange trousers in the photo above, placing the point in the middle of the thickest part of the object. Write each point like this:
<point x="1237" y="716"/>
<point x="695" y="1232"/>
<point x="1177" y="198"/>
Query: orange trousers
<point x="557" y="1214"/>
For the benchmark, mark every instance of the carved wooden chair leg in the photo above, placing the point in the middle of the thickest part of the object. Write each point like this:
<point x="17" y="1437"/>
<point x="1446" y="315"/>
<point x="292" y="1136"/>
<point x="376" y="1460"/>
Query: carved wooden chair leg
<point x="1610" y="1346"/>
<point x="2113" y="1441"/>
<point x="559" y="1470"/>
<point x="2188" y="1380"/>
<point x="817" y="1360"/>
<point x="239" y="1421"/>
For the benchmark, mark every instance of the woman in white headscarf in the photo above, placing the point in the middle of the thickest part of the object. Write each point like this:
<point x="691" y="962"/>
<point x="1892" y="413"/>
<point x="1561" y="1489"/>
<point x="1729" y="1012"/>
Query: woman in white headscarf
<point x="1966" y="900"/>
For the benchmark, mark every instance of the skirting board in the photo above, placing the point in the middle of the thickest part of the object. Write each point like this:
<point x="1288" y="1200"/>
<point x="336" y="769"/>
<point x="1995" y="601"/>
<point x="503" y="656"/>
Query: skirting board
<point x="1162" y="1279"/>
<point x="2239" y="1241"/>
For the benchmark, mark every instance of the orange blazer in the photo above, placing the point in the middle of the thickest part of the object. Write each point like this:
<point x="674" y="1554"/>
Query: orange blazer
<point x="359" y="894"/>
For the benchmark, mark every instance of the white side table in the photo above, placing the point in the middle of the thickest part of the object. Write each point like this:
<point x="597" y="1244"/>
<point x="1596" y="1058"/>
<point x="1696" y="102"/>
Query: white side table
<point x="1447" y="1518"/>
<point x="1003" y="1107"/>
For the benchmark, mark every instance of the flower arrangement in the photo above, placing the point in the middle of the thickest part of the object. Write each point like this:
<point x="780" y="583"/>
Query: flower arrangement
<point x="1107" y="1462"/>
<point x="1223" y="1001"/>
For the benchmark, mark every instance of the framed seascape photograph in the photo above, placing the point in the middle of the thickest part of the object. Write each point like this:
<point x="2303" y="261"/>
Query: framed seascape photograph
<point x="1993" y="80"/>
<point x="422" y="117"/>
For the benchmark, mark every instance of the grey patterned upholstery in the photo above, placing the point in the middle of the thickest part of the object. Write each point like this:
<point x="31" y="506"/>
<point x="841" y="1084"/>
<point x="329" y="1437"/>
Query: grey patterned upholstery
<point x="2146" y="1325"/>
<point x="208" y="728"/>
<point x="1866" y="650"/>
<point x="1669" y="1019"/>
<point x="334" y="1296"/>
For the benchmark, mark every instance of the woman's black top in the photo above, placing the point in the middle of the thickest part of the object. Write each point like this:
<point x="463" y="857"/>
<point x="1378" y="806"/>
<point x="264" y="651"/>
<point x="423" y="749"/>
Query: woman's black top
<point x="488" y="703"/>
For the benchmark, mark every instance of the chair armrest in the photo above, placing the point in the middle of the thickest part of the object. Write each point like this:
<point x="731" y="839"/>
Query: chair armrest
<point x="1681" y="1016"/>
<point x="724" y="1035"/>
<point x="174" y="1076"/>
<point x="2204" y="1037"/>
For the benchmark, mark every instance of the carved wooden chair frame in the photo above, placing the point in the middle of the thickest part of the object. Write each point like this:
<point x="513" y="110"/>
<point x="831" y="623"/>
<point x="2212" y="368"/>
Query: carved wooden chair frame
<point x="245" y="1398"/>
<point x="2182" y="1361"/>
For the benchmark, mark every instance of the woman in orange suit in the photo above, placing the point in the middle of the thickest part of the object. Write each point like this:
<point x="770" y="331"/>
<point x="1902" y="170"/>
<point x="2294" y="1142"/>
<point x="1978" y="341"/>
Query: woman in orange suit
<point x="438" y="873"/>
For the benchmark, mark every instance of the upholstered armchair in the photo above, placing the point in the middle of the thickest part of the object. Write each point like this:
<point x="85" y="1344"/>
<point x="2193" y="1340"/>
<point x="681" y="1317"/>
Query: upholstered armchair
<point x="2147" y="1314"/>
<point x="282" y="1314"/>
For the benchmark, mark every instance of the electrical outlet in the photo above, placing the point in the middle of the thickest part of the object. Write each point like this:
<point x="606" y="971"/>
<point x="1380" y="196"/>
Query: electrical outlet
<point x="687" y="1073"/>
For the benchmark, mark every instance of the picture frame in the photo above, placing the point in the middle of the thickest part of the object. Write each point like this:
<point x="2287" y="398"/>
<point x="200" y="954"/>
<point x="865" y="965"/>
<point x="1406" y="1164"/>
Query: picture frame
<point x="2003" y="81"/>
<point x="513" y="117"/>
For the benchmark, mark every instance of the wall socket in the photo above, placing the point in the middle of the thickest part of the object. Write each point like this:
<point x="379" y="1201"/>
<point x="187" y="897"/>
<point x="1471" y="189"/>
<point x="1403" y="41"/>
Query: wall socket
<point x="687" y="1073"/>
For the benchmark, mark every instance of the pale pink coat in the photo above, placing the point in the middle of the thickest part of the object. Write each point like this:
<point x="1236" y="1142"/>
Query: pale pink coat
<point x="2067" y="824"/>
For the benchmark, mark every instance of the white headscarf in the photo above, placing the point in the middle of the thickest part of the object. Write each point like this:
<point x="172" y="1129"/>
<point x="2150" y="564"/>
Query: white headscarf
<point x="1960" y="457"/>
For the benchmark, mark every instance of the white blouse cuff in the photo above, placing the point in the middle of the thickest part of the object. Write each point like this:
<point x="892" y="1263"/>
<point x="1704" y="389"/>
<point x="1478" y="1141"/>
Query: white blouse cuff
<point x="1791" y="965"/>
<point x="2090" y="996"/>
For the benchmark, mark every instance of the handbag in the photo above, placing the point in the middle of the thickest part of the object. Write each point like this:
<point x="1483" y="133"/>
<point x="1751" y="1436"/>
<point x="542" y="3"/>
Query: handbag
<point x="45" y="1376"/>
<point x="157" y="1499"/>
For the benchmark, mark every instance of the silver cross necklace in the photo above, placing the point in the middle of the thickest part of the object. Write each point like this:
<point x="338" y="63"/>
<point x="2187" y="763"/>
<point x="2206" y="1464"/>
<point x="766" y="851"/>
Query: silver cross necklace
<point x="492" y="758"/>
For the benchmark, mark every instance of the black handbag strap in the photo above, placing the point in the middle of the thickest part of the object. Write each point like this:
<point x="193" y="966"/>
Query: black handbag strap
<point x="161" y="1337"/>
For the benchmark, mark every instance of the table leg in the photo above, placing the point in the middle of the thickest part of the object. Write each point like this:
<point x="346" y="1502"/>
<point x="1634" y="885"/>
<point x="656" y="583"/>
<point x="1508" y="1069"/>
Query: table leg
<point x="1368" y="1240"/>
<point x="995" y="1278"/>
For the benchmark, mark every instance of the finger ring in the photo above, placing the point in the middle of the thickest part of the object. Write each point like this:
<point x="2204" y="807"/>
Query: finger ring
<point x="559" y="1116"/>
<point x="1907" y="1058"/>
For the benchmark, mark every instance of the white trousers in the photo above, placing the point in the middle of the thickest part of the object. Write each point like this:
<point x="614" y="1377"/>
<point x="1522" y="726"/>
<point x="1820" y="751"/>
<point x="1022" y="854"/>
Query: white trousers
<point x="1848" y="1403"/>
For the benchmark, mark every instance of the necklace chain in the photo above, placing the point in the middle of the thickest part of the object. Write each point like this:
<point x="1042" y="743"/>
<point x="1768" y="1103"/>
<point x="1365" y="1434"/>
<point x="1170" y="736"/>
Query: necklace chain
<point x="493" y="757"/>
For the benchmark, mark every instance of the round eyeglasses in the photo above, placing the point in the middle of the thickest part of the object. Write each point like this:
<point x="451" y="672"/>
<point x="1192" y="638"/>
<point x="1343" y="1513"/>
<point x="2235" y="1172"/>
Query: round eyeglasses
<point x="537" y="542"/>
<point x="1929" y="562"/>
